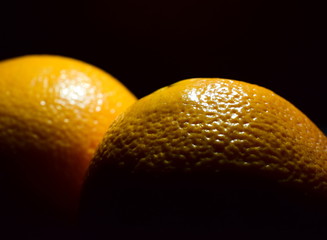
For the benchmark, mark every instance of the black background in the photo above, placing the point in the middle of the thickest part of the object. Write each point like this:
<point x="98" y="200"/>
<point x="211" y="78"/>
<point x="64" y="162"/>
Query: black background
<point x="149" y="44"/>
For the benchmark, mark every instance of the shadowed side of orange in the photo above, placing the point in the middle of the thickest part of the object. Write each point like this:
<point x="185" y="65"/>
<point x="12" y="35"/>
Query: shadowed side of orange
<point x="213" y="133"/>
<point x="53" y="113"/>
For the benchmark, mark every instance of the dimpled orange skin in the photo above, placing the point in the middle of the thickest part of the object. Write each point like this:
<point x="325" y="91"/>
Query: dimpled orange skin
<point x="207" y="125"/>
<point x="53" y="113"/>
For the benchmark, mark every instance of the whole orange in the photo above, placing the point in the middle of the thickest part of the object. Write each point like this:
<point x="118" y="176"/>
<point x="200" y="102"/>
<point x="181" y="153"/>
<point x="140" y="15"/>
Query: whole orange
<point x="54" y="111"/>
<point x="205" y="149"/>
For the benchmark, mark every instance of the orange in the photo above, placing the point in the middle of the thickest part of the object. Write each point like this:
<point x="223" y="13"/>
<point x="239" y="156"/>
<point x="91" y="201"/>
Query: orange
<point x="54" y="111"/>
<point x="198" y="129"/>
<point x="208" y="124"/>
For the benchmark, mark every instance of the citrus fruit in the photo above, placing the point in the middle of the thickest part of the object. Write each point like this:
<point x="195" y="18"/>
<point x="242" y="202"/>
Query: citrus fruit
<point x="205" y="154"/>
<point x="54" y="111"/>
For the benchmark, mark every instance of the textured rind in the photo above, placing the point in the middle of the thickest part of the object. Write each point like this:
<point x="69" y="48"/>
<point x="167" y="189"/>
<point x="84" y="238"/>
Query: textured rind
<point x="208" y="125"/>
<point x="53" y="113"/>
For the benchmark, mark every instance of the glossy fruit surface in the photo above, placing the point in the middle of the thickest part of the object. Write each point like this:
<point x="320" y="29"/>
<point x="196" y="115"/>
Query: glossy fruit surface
<point x="210" y="124"/>
<point x="199" y="136"/>
<point x="54" y="111"/>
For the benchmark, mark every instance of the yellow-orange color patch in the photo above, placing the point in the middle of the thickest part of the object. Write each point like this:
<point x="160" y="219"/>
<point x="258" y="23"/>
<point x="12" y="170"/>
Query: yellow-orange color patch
<point x="208" y="125"/>
<point x="53" y="113"/>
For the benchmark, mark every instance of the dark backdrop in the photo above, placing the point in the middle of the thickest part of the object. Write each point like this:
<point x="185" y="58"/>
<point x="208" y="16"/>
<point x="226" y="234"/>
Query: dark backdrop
<point x="148" y="44"/>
